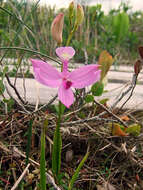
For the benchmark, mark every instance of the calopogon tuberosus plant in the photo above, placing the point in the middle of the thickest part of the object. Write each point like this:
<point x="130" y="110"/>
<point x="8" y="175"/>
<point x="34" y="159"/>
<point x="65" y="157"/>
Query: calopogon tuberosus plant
<point x="65" y="82"/>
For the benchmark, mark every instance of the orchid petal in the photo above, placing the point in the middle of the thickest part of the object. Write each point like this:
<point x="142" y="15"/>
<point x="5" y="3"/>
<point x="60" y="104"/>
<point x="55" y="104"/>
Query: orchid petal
<point x="65" y="53"/>
<point x="46" y="74"/>
<point x="85" y="76"/>
<point x="65" y="96"/>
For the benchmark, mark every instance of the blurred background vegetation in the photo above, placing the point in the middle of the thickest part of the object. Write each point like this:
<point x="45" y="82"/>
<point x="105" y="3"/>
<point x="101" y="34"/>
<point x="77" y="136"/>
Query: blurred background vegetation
<point x="26" y="24"/>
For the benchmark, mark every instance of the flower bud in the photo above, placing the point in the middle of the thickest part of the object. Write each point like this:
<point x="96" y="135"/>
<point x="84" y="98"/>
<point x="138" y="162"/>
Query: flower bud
<point x="79" y="15"/>
<point x="141" y="51"/>
<point x="137" y="67"/>
<point x="71" y="10"/>
<point x="57" y="28"/>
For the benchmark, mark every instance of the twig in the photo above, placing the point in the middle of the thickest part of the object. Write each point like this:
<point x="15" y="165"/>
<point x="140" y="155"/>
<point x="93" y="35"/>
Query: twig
<point x="134" y="81"/>
<point x="16" y="92"/>
<point x="111" y="113"/>
<point x="106" y="140"/>
<point x="131" y="87"/>
<point x="50" y="179"/>
<point x="87" y="120"/>
<point x="75" y="111"/>
<point x="19" y="103"/>
<point x="45" y="105"/>
<point x="20" y="178"/>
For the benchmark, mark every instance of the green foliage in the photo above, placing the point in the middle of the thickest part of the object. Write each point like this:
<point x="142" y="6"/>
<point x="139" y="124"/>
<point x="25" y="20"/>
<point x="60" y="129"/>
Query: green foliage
<point x="29" y="135"/>
<point x="98" y="31"/>
<point x="89" y="98"/>
<point x="120" y="26"/>
<point x="57" y="146"/>
<point x="2" y="87"/>
<point x="103" y="101"/>
<point x="56" y="153"/>
<point x="97" y="88"/>
<point x="61" y="109"/>
<point x="10" y="103"/>
<point x="42" y="159"/>
<point x="76" y="173"/>
<point x="134" y="129"/>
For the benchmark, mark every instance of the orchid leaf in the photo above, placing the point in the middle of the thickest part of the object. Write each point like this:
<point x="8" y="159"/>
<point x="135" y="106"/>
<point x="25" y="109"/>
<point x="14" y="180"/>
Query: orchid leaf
<point x="57" y="146"/>
<point x="56" y="154"/>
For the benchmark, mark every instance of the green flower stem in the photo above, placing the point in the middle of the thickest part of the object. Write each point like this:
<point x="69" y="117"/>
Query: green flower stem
<point x="30" y="51"/>
<point x="57" y="146"/>
<point x="71" y="34"/>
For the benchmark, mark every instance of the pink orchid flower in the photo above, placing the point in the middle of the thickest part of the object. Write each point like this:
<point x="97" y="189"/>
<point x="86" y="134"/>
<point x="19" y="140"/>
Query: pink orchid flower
<point x="65" y="80"/>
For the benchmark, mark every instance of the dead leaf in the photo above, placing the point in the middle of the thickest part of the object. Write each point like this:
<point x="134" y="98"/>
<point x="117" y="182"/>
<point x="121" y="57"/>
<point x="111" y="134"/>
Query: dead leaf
<point x="105" y="60"/>
<point x="137" y="178"/>
<point x="125" y="118"/>
<point x="117" y="131"/>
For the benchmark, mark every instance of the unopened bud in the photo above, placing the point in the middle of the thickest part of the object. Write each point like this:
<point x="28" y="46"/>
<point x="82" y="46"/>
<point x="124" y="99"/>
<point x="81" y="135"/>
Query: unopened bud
<point x="57" y="28"/>
<point x="137" y="67"/>
<point x="141" y="51"/>
<point x="71" y="10"/>
<point x="79" y="15"/>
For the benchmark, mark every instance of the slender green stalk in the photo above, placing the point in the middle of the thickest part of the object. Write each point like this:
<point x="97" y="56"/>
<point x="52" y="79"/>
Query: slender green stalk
<point x="42" y="159"/>
<point x="57" y="146"/>
<point x="76" y="173"/>
<point x="30" y="51"/>
<point x="29" y="141"/>
<point x="71" y="35"/>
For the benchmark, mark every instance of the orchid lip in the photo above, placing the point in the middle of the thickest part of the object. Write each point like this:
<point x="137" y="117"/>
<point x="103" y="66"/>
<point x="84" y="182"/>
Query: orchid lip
<point x="67" y="84"/>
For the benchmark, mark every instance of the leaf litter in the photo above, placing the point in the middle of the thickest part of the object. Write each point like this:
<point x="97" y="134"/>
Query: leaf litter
<point x="115" y="161"/>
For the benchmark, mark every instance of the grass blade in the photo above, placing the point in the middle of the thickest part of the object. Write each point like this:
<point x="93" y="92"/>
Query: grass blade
<point x="42" y="159"/>
<point x="75" y="175"/>
<point x="29" y="141"/>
